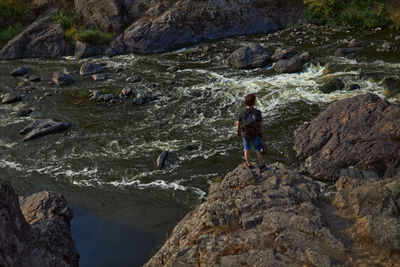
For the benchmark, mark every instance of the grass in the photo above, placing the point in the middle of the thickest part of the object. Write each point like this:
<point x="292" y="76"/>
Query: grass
<point x="91" y="36"/>
<point x="65" y="19"/>
<point x="13" y="9"/>
<point x="10" y="32"/>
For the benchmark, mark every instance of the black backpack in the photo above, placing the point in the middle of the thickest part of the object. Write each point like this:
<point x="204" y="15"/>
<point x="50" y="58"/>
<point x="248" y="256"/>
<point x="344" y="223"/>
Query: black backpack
<point x="250" y="124"/>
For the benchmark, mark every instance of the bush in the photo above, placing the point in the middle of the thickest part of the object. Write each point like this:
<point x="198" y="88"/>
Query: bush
<point x="13" y="8"/>
<point x="91" y="36"/>
<point x="66" y="20"/>
<point x="10" y="32"/>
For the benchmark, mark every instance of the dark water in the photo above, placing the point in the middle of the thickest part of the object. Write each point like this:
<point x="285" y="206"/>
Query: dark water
<point x="105" y="164"/>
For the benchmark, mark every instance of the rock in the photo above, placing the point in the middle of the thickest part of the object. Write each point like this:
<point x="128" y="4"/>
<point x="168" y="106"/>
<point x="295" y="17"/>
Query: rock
<point x="108" y="97"/>
<point x="249" y="57"/>
<point x="24" y="111"/>
<point x="85" y="50"/>
<point x="162" y="159"/>
<point x="99" y="77"/>
<point x="283" y="54"/>
<point x="173" y="69"/>
<point x="253" y="219"/>
<point x="354" y="87"/>
<point x="392" y="86"/>
<point x="48" y="94"/>
<point x="362" y="131"/>
<point x="96" y="95"/>
<point x="133" y="79"/>
<point x="41" y="238"/>
<point x="305" y="57"/>
<point x="332" y="86"/>
<point x="375" y="209"/>
<point x="29" y="89"/>
<point x="11" y="98"/>
<point x="42" y="38"/>
<point x="60" y="78"/>
<point x="343" y="52"/>
<point x="33" y="78"/>
<point x="291" y="65"/>
<point x="20" y="71"/>
<point x="89" y="68"/>
<point x="388" y="47"/>
<point x="23" y="84"/>
<point x="397" y="38"/>
<point x="355" y="43"/>
<point x="127" y="91"/>
<point x="42" y="127"/>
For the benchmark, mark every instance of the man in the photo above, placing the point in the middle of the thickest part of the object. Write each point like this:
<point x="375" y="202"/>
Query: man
<point x="249" y="127"/>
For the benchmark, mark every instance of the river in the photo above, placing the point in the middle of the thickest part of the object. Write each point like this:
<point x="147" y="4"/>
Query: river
<point x="105" y="164"/>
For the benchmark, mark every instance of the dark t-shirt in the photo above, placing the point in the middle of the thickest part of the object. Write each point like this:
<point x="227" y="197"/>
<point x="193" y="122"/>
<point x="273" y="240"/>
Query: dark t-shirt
<point x="242" y="115"/>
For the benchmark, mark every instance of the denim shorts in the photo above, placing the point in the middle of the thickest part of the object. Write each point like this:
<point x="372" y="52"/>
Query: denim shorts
<point x="256" y="141"/>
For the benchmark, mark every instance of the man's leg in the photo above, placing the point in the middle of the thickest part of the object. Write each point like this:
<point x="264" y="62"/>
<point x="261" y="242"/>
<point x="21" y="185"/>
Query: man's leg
<point x="247" y="157"/>
<point x="260" y="159"/>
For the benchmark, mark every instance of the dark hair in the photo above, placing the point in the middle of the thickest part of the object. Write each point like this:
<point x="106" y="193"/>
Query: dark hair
<point x="250" y="99"/>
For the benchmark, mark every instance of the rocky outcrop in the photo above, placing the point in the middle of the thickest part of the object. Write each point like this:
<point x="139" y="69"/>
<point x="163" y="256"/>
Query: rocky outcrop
<point x="363" y="131"/>
<point x="85" y="50"/>
<point x="42" y="38"/>
<point x="42" y="127"/>
<point x="39" y="235"/>
<point x="250" y="57"/>
<point x="253" y="219"/>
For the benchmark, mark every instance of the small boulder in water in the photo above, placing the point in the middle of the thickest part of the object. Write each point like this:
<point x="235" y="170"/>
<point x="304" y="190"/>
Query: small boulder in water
<point x="291" y="65"/>
<point x="133" y="79"/>
<point x="397" y="38"/>
<point x="283" y="54"/>
<point x="85" y="50"/>
<point x="392" y="86"/>
<point x="162" y="159"/>
<point x="60" y="78"/>
<point x="11" y="98"/>
<point x="33" y="78"/>
<point x="342" y="52"/>
<point x="89" y="68"/>
<point x="388" y="47"/>
<point x="42" y="127"/>
<point x="127" y="91"/>
<point x="173" y="69"/>
<point x="355" y="43"/>
<point x="20" y="71"/>
<point x="332" y="86"/>
<point x="249" y="57"/>
<point x="99" y="77"/>
<point x="24" y="111"/>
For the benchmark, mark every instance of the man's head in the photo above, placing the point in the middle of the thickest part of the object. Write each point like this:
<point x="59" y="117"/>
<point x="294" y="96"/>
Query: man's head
<point x="250" y="99"/>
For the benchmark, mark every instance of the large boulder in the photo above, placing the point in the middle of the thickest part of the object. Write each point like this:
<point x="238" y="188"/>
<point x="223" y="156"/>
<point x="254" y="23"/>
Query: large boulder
<point x="253" y="219"/>
<point x="11" y="98"/>
<point x="43" y="127"/>
<point x="42" y="38"/>
<point x="85" y="50"/>
<point x="89" y="68"/>
<point x="41" y="238"/>
<point x="250" y="57"/>
<point x="362" y="131"/>
<point x="60" y="78"/>
<point x="291" y="65"/>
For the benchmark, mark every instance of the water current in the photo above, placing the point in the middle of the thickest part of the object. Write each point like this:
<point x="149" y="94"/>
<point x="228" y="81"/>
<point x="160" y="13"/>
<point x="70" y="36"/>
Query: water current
<point x="105" y="164"/>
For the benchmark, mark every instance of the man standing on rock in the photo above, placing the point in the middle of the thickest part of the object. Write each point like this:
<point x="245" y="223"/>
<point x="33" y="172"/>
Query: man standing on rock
<point x="249" y="127"/>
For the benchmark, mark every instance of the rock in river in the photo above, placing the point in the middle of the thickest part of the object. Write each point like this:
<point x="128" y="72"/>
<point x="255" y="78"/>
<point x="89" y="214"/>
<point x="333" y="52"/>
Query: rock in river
<point x="89" y="68"/>
<point x="43" y="127"/>
<point x="11" y="98"/>
<point x="162" y="159"/>
<point x="35" y="231"/>
<point x="60" y="78"/>
<point x="250" y="57"/>
<point x="363" y="131"/>
<point x="342" y="52"/>
<point x="85" y="50"/>
<point x="20" y="71"/>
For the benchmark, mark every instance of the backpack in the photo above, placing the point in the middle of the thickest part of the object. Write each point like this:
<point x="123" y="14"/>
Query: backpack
<point x="250" y="124"/>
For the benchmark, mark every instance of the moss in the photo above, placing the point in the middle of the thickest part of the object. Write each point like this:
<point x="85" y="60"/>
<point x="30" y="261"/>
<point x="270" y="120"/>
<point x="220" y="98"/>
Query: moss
<point x="14" y="9"/>
<point x="10" y="32"/>
<point x="91" y="36"/>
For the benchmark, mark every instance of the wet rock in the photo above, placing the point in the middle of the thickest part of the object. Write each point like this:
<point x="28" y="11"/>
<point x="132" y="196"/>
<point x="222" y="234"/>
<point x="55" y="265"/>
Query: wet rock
<point x="23" y="84"/>
<point x="11" y="98"/>
<point x="29" y="89"/>
<point x="133" y="79"/>
<point x="250" y="57"/>
<point x="89" y="68"/>
<point x="305" y="57"/>
<point x="41" y="238"/>
<point x="397" y="38"/>
<point x="108" y="97"/>
<point x="140" y="98"/>
<point x="99" y="77"/>
<point x="96" y="95"/>
<point x="60" y="78"/>
<point x="343" y="52"/>
<point x="85" y="50"/>
<point x="162" y="159"/>
<point x="33" y="78"/>
<point x="387" y="47"/>
<point x="283" y="54"/>
<point x="24" y="111"/>
<point x="253" y="219"/>
<point x="333" y="85"/>
<point x="43" y="127"/>
<point x="354" y="87"/>
<point x="127" y="91"/>
<point x="20" y="71"/>
<point x="362" y="131"/>
<point x="392" y="86"/>
<point x="48" y="94"/>
<point x="291" y="65"/>
<point x="42" y="38"/>
<point x="355" y="43"/>
<point x="173" y="69"/>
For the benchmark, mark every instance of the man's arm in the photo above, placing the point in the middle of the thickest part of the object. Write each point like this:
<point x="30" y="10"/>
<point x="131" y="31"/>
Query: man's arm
<point x="238" y="129"/>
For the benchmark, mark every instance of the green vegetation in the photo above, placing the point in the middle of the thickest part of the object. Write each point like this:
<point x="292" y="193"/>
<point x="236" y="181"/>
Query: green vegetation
<point x="14" y="9"/>
<point x="91" y="36"/>
<point x="65" y="19"/>
<point x="10" y="32"/>
<point x="364" y="13"/>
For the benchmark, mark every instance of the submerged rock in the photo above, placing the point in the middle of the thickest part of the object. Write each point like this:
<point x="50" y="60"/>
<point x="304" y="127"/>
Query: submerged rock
<point x="291" y="65"/>
<point x="24" y="111"/>
<point x="392" y="86"/>
<point x="162" y="159"/>
<point x="20" y="71"/>
<point x="250" y="57"/>
<point x="60" y="78"/>
<point x="11" y="98"/>
<point x="89" y="68"/>
<point x="40" y="235"/>
<point x="333" y="85"/>
<point x="281" y="53"/>
<point x="99" y="77"/>
<point x="355" y="43"/>
<point x="362" y="131"/>
<point x="343" y="52"/>
<point x="42" y="127"/>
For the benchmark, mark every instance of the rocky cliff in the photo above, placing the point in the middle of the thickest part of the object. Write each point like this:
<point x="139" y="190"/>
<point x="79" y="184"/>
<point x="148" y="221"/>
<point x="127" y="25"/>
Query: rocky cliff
<point x="282" y="217"/>
<point x="35" y="230"/>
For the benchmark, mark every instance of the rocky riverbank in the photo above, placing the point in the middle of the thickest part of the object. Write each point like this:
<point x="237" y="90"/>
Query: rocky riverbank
<point x="282" y="217"/>
<point x="35" y="230"/>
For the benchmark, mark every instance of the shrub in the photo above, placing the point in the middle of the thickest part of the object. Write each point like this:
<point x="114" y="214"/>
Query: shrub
<point x="13" y="8"/>
<point x="10" y="32"/>
<point x="91" y="36"/>
<point x="65" y="19"/>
